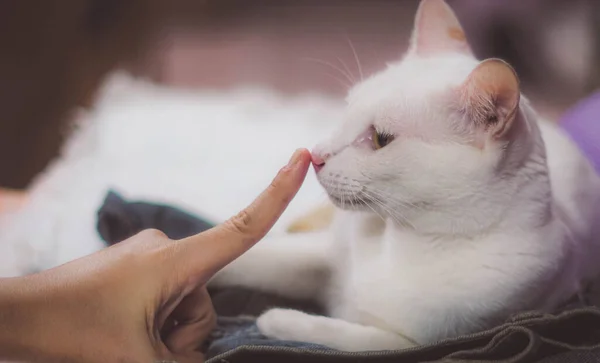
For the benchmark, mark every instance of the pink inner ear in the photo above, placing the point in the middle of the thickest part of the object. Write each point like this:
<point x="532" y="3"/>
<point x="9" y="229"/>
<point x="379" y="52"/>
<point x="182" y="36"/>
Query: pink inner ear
<point x="492" y="89"/>
<point x="437" y="30"/>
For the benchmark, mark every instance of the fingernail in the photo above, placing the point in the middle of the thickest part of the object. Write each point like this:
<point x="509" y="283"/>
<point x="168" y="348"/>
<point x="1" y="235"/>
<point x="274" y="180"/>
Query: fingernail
<point x="294" y="159"/>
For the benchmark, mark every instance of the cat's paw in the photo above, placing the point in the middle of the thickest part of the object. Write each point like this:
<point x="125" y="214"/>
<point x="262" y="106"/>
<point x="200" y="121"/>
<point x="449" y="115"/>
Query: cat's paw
<point x="282" y="324"/>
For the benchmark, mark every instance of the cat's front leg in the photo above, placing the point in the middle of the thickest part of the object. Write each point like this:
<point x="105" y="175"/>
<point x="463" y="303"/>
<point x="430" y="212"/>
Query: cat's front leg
<point x="291" y="265"/>
<point x="293" y="325"/>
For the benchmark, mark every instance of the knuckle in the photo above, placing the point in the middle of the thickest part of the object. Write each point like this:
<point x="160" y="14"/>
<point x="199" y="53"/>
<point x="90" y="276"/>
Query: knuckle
<point x="241" y="222"/>
<point x="152" y="233"/>
<point x="211" y="319"/>
<point x="208" y="314"/>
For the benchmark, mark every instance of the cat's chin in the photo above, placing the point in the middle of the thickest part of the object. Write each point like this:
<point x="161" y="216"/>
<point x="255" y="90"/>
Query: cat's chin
<point x="348" y="203"/>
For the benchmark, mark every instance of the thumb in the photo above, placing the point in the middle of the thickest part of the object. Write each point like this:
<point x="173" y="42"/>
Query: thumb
<point x="208" y="252"/>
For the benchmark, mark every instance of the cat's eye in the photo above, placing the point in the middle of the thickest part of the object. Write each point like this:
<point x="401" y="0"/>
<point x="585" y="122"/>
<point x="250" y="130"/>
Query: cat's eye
<point x="381" y="139"/>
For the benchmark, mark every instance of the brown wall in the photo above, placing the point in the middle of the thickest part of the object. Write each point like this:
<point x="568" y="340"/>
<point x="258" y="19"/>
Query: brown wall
<point x="53" y="53"/>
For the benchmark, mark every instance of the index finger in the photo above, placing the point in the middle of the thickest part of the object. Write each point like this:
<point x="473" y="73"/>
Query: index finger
<point x="208" y="252"/>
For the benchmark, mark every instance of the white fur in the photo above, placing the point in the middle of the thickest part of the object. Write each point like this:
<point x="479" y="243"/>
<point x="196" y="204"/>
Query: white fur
<point x="447" y="230"/>
<point x="208" y="152"/>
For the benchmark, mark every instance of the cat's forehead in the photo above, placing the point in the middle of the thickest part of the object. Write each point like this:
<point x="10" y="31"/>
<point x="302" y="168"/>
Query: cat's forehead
<point x="411" y="82"/>
<point x="409" y="98"/>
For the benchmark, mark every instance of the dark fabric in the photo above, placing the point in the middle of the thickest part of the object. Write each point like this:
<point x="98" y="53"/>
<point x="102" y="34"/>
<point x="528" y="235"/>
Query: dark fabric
<point x="577" y="356"/>
<point x="119" y="219"/>
<point x="233" y="332"/>
<point x="569" y="336"/>
<point x="237" y="301"/>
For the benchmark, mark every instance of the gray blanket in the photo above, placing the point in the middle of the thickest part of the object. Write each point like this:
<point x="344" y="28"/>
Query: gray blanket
<point x="570" y="335"/>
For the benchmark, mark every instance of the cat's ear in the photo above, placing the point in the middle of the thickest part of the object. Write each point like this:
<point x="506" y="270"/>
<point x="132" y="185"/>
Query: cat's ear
<point x="437" y="30"/>
<point x="490" y="97"/>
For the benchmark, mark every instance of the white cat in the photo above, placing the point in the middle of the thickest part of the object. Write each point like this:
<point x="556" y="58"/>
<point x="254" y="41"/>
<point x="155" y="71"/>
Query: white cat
<point x="457" y="208"/>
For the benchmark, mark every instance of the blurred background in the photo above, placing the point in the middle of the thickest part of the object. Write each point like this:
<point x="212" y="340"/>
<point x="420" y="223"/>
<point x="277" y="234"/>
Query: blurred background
<point x="55" y="53"/>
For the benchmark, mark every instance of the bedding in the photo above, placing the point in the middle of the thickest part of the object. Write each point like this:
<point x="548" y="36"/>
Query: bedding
<point x="573" y="333"/>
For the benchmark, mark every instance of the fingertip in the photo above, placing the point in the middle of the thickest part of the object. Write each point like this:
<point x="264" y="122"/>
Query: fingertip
<point x="229" y="240"/>
<point x="299" y="158"/>
<point x="305" y="158"/>
<point x="291" y="177"/>
<point x="304" y="152"/>
<point x="303" y="163"/>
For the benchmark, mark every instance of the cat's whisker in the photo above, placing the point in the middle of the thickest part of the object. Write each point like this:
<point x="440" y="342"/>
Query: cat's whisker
<point x="325" y="63"/>
<point x="367" y="203"/>
<point x="359" y="66"/>
<point x="396" y="218"/>
<point x="382" y="195"/>
<point x="374" y="199"/>
<point x="368" y="197"/>
<point x="395" y="215"/>
<point x="347" y="69"/>
<point x="395" y="199"/>
<point x="342" y="82"/>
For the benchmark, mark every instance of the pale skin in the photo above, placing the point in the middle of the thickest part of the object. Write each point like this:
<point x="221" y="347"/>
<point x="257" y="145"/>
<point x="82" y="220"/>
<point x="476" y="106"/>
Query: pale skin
<point x="141" y="300"/>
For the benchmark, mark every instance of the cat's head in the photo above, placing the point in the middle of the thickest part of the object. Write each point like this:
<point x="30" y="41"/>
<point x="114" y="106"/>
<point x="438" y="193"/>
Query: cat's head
<point x="435" y="126"/>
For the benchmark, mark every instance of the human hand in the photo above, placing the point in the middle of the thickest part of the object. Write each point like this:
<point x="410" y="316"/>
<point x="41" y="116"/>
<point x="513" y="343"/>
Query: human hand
<point x="141" y="300"/>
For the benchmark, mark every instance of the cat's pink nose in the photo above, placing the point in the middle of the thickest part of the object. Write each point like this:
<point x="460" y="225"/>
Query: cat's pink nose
<point x="318" y="161"/>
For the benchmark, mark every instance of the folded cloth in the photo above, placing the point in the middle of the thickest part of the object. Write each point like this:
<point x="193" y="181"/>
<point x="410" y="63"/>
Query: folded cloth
<point x="570" y="335"/>
<point x="119" y="219"/>
<point x="241" y="331"/>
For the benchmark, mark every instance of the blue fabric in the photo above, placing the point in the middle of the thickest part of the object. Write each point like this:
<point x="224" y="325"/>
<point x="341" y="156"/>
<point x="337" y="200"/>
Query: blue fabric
<point x="233" y="332"/>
